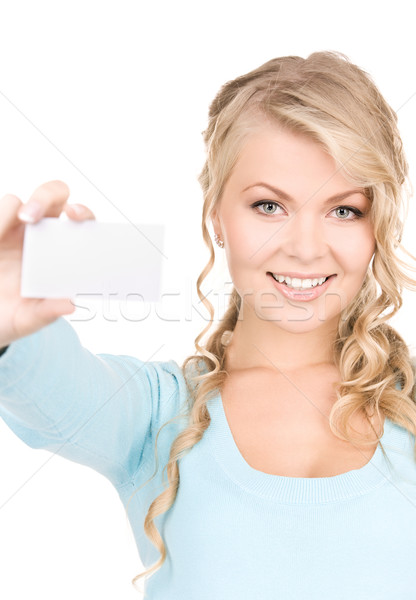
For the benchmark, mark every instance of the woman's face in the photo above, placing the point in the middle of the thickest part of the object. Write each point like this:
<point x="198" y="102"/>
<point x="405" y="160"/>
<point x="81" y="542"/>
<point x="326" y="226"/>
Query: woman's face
<point x="306" y="227"/>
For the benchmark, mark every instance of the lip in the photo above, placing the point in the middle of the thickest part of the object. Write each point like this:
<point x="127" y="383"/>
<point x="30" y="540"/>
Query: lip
<point x="305" y="296"/>
<point x="302" y="275"/>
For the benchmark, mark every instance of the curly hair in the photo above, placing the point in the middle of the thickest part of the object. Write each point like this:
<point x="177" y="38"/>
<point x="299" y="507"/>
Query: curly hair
<point x="336" y="104"/>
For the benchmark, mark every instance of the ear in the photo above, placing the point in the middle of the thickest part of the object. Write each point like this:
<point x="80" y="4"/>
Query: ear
<point x="215" y="222"/>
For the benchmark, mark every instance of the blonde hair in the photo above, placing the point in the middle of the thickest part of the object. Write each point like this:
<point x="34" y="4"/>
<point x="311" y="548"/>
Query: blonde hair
<point x="336" y="104"/>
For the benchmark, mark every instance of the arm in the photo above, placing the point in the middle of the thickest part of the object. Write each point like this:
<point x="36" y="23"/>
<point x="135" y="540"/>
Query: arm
<point x="98" y="410"/>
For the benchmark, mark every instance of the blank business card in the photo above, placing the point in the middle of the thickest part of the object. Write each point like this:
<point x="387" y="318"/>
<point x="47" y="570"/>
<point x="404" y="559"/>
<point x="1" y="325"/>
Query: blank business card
<point x="64" y="258"/>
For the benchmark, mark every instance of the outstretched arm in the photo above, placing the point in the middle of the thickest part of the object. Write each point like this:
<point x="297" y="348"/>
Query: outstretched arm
<point x="98" y="410"/>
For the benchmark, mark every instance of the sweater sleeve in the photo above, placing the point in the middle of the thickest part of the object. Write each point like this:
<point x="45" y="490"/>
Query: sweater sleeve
<point x="99" y="410"/>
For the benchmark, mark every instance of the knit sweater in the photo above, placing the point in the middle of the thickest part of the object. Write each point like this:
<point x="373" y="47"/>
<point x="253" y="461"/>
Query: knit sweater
<point x="233" y="533"/>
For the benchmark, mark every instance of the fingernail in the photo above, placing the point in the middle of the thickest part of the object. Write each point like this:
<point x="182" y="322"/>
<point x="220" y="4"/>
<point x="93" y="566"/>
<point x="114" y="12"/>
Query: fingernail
<point x="78" y="209"/>
<point x="30" y="212"/>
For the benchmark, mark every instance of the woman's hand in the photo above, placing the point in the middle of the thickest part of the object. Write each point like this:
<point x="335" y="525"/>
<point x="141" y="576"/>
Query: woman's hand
<point x="23" y="316"/>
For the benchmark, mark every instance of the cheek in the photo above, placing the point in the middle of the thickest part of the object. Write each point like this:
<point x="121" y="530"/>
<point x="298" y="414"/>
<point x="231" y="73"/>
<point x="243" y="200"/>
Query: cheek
<point x="244" y="243"/>
<point x="244" y="255"/>
<point x="354" y="251"/>
<point x="364" y="248"/>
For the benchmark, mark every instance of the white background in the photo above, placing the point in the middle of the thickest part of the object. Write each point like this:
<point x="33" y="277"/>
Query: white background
<point x="112" y="98"/>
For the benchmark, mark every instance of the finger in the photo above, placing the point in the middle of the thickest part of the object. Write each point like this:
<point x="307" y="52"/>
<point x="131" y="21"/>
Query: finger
<point x="47" y="200"/>
<point x="9" y="206"/>
<point x="78" y="212"/>
<point x="49" y="309"/>
<point x="35" y="313"/>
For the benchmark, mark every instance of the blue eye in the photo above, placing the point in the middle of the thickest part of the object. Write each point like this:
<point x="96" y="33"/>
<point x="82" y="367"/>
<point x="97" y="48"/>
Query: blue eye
<point x="356" y="212"/>
<point x="268" y="204"/>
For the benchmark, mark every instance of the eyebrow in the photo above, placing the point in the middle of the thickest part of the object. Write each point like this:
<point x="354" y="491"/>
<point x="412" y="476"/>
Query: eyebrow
<point x="288" y="198"/>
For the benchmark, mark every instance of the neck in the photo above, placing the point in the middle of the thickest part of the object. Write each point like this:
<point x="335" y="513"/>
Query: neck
<point x="260" y="343"/>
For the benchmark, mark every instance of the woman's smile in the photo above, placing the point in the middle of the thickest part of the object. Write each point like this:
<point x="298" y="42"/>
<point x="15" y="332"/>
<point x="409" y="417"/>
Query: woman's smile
<point x="302" y="295"/>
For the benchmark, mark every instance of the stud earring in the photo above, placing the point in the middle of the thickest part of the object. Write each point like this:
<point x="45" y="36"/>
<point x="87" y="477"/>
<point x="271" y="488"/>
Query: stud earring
<point x="219" y="241"/>
<point x="226" y="337"/>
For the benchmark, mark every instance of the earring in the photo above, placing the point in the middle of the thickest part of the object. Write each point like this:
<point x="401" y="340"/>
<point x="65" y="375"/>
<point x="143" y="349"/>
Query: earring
<point x="219" y="241"/>
<point x="226" y="337"/>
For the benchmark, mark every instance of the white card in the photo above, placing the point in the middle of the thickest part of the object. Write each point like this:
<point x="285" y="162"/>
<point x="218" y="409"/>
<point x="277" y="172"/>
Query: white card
<point x="119" y="261"/>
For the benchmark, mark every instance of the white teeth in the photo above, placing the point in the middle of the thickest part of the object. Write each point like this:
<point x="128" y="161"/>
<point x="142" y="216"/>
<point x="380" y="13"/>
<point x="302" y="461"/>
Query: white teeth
<point x="299" y="284"/>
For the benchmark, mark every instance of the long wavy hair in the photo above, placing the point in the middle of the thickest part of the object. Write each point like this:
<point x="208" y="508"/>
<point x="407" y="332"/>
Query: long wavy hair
<point x="338" y="105"/>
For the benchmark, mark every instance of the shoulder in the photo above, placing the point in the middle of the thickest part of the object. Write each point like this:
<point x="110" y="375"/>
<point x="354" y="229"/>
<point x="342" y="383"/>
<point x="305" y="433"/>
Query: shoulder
<point x="167" y="379"/>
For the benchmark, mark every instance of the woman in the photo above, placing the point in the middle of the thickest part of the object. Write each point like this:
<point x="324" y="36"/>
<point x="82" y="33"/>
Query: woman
<point x="255" y="469"/>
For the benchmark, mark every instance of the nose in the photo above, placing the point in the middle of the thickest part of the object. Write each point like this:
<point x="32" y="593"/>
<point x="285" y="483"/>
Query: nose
<point x="302" y="236"/>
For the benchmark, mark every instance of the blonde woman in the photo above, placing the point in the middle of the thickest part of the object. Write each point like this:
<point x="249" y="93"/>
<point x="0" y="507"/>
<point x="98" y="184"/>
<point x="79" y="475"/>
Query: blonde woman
<point x="279" y="460"/>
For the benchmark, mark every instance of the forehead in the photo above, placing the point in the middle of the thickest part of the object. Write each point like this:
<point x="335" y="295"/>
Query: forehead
<point x="288" y="160"/>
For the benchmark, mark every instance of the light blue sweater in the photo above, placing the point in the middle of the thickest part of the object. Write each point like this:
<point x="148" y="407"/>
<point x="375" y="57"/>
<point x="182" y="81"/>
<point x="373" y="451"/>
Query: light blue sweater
<point x="233" y="533"/>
